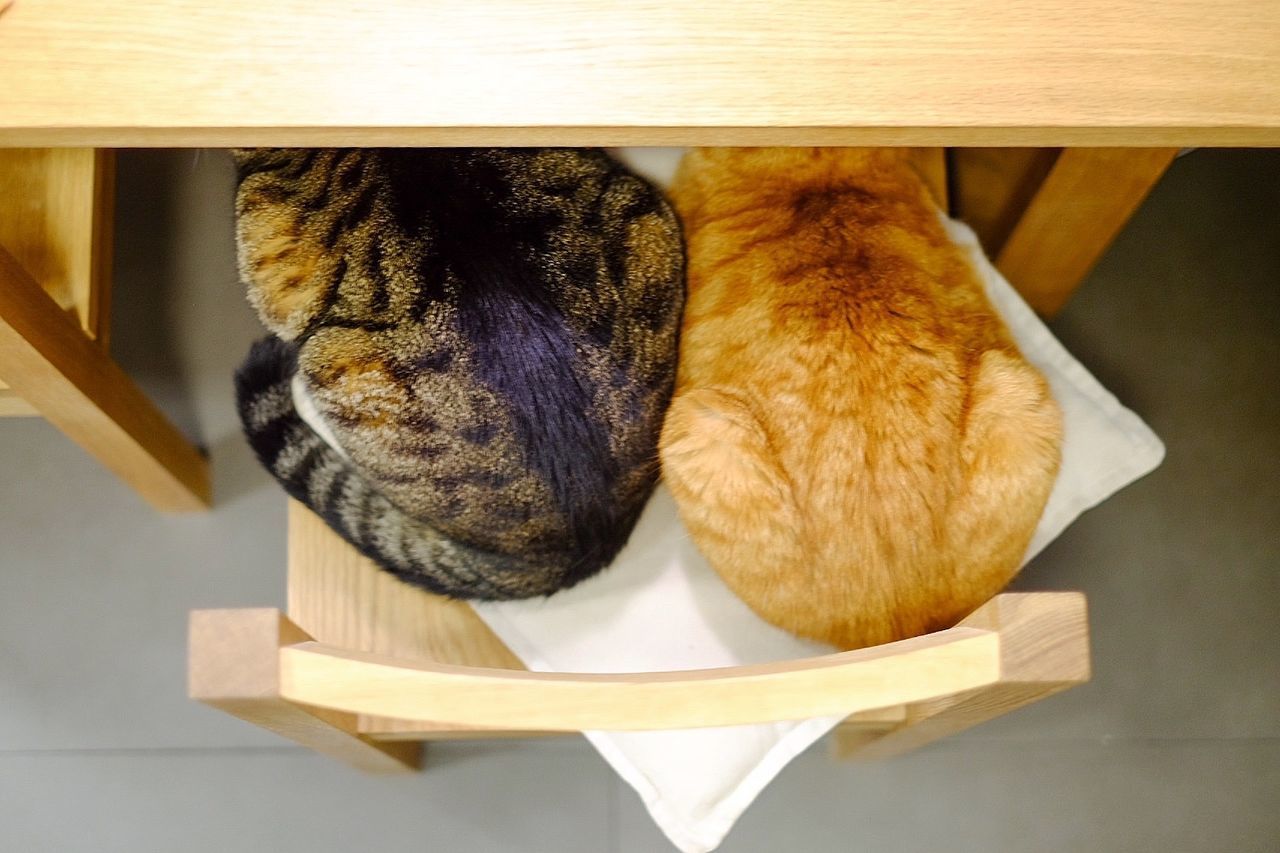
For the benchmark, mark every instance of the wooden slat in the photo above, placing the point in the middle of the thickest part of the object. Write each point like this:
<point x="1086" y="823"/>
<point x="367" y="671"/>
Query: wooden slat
<point x="993" y="186"/>
<point x="928" y="667"/>
<point x="1088" y="196"/>
<point x="56" y="211"/>
<point x="931" y="164"/>
<point x="659" y="72"/>
<point x="235" y="666"/>
<point x="342" y="599"/>
<point x="1044" y="649"/>
<point x="48" y="361"/>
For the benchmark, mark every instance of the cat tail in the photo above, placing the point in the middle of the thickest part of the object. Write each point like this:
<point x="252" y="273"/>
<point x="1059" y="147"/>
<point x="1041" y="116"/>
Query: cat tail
<point x="320" y="477"/>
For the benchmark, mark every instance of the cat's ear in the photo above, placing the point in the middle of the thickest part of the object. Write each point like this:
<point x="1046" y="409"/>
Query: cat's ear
<point x="287" y="275"/>
<point x="244" y="158"/>
<point x="1013" y="423"/>
<point x="1011" y="451"/>
<point x="717" y="461"/>
<point x="688" y="189"/>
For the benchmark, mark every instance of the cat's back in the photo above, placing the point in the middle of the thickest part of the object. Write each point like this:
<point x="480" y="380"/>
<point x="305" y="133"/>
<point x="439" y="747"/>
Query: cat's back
<point x="834" y="292"/>
<point x="879" y="437"/>
<point x="490" y="332"/>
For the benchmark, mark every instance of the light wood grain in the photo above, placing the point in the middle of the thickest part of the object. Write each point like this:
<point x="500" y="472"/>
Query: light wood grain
<point x="342" y="599"/>
<point x="1087" y="197"/>
<point x="56" y="213"/>
<point x="993" y="186"/>
<point x="56" y="210"/>
<point x="932" y="666"/>
<point x="234" y="666"/>
<point x="864" y="727"/>
<point x="1018" y="648"/>
<point x="1044" y="649"/>
<point x="656" y="72"/>
<point x="258" y="665"/>
<point x="50" y="363"/>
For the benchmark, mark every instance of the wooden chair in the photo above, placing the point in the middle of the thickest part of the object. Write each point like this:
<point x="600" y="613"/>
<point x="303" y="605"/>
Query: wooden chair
<point x="365" y="669"/>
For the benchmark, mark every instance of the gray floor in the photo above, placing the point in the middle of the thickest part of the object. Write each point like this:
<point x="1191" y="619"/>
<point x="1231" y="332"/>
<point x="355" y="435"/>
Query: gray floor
<point x="1175" y="745"/>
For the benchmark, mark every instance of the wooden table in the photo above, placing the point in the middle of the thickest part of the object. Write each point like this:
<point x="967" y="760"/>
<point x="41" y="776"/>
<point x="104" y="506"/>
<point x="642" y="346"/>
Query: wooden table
<point x="640" y="72"/>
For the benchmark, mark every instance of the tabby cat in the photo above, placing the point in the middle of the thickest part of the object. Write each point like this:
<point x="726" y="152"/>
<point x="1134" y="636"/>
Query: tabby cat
<point x="489" y="335"/>
<point x="856" y="444"/>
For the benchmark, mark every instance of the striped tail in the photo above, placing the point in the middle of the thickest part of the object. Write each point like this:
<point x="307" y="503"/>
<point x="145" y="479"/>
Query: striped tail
<point x="317" y="475"/>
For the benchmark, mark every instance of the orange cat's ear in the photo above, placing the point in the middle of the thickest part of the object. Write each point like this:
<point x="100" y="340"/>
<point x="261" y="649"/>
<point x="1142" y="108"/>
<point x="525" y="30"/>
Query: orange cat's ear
<point x="716" y="459"/>
<point x="707" y="171"/>
<point x="689" y="187"/>
<point x="1011" y="450"/>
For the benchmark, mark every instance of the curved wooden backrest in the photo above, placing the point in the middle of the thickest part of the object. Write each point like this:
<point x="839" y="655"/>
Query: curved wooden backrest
<point x="913" y="670"/>
<point x="260" y="666"/>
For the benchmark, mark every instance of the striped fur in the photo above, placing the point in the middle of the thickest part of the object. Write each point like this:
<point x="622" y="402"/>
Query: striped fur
<point x="490" y="336"/>
<point x="317" y="475"/>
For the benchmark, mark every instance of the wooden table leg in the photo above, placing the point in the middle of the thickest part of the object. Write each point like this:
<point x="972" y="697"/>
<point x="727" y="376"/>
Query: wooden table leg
<point x="1047" y="217"/>
<point x="57" y="210"/>
<point x="931" y="164"/>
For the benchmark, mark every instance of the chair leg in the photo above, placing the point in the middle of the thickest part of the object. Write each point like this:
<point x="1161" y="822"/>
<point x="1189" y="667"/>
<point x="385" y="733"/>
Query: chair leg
<point x="235" y="667"/>
<point x="1044" y="649"/>
<point x="991" y="188"/>
<point x="1047" y="217"/>
<point x="931" y="165"/>
<point x="49" y="362"/>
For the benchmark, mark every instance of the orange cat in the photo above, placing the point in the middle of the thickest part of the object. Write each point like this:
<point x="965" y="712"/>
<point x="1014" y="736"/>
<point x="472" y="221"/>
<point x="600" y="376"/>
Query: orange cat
<point x="856" y="444"/>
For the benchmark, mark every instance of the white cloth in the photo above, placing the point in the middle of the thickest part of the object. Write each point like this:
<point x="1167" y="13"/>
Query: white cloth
<point x="661" y="607"/>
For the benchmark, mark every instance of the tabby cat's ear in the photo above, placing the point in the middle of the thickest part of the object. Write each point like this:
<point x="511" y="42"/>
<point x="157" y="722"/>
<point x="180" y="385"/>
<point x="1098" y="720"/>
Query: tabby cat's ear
<point x="250" y="160"/>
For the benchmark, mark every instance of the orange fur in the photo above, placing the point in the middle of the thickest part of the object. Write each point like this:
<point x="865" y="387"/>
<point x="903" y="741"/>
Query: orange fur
<point x="856" y="444"/>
